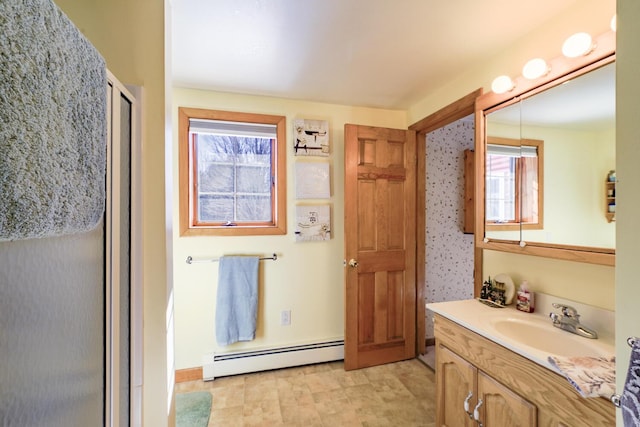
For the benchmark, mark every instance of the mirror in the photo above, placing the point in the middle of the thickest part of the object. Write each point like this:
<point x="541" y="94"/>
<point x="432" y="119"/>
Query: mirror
<point x="548" y="156"/>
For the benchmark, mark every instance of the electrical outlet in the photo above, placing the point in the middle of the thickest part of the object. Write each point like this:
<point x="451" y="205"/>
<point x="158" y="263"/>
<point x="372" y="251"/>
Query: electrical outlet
<point x="285" y="318"/>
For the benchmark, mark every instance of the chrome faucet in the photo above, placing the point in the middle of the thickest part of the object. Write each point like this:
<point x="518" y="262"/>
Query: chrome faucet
<point x="569" y="320"/>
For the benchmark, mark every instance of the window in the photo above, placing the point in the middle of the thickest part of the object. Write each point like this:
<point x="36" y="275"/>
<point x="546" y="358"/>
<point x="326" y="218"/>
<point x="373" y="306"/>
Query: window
<point x="232" y="173"/>
<point x="514" y="192"/>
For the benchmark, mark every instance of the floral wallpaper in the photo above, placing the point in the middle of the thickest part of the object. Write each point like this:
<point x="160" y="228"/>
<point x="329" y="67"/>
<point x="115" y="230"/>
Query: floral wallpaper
<point x="449" y="252"/>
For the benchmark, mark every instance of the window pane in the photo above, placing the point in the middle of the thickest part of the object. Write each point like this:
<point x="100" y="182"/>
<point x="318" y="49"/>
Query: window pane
<point x="253" y="179"/>
<point x="214" y="148"/>
<point x="253" y="208"/>
<point x="501" y="191"/>
<point x="530" y="189"/>
<point x="234" y="178"/>
<point x="215" y="208"/>
<point x="216" y="178"/>
<point x="253" y="150"/>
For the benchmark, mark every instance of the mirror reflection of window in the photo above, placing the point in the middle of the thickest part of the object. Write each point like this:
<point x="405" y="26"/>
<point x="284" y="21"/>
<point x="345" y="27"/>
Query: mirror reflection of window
<point x="513" y="183"/>
<point x="501" y="173"/>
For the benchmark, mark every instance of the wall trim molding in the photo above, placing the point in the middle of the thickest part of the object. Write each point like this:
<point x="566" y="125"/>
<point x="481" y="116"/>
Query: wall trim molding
<point x="457" y="110"/>
<point x="188" y="374"/>
<point x="463" y="107"/>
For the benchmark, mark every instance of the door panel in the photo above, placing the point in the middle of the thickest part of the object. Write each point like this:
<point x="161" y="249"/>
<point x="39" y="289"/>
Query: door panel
<point x="380" y="293"/>
<point x="502" y="407"/>
<point x="455" y="383"/>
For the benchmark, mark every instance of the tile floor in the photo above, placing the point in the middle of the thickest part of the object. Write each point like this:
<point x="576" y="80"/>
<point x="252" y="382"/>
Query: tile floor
<point x="429" y="357"/>
<point x="397" y="394"/>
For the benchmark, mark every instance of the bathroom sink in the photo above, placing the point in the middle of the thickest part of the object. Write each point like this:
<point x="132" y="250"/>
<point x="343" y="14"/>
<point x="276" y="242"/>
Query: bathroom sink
<point x="546" y="338"/>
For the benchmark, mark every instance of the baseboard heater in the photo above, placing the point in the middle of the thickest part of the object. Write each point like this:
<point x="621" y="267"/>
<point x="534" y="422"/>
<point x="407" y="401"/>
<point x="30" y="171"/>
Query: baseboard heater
<point x="223" y="364"/>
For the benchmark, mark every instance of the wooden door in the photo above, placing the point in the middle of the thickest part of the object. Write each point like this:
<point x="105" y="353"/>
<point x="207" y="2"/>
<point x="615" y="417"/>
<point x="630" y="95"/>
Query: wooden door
<point x="380" y="287"/>
<point x="455" y="383"/>
<point x="501" y="406"/>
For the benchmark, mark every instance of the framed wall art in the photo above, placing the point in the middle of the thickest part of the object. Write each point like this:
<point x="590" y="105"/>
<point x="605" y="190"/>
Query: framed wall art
<point x="311" y="137"/>
<point x="313" y="223"/>
<point x="313" y="180"/>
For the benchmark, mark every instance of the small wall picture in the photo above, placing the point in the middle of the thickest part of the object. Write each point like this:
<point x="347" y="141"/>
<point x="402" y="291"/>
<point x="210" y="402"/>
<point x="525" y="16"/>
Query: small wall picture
<point x="311" y="137"/>
<point x="313" y="180"/>
<point x="313" y="223"/>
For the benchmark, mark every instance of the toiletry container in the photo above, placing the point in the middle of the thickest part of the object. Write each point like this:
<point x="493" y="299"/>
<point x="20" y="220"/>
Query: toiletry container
<point x="525" y="298"/>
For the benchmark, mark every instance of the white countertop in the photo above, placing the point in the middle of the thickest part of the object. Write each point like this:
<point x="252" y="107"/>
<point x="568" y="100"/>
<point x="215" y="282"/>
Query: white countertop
<point x="485" y="321"/>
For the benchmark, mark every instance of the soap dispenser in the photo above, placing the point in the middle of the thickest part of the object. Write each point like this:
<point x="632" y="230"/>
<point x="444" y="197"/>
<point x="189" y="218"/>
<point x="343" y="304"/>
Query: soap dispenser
<point x="525" y="299"/>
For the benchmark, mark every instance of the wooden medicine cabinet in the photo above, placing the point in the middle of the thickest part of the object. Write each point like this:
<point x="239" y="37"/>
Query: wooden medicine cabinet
<point x="570" y="114"/>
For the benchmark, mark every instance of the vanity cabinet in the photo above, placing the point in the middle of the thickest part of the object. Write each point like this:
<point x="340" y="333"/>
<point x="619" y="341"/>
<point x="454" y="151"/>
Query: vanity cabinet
<point x="515" y="390"/>
<point x="461" y="387"/>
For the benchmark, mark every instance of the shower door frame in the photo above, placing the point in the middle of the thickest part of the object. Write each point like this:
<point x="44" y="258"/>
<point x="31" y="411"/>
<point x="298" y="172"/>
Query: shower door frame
<point x="113" y="331"/>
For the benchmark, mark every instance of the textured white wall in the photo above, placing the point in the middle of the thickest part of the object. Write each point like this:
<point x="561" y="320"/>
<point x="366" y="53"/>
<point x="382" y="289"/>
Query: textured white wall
<point x="449" y="252"/>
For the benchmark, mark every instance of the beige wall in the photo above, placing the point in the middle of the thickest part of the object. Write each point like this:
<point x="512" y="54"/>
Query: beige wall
<point x="575" y="170"/>
<point x="586" y="283"/>
<point x="130" y="36"/>
<point x="574" y="186"/>
<point x="307" y="278"/>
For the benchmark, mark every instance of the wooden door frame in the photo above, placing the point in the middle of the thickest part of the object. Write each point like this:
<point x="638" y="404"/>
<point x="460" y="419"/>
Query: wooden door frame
<point x="463" y="107"/>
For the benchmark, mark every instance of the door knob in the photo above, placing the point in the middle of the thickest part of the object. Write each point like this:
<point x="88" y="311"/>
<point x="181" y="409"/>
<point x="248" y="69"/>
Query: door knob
<point x="353" y="263"/>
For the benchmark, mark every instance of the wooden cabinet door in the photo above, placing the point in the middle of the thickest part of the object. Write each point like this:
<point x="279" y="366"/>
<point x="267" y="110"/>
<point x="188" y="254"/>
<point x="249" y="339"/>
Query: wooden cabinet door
<point x="455" y="380"/>
<point x="501" y="406"/>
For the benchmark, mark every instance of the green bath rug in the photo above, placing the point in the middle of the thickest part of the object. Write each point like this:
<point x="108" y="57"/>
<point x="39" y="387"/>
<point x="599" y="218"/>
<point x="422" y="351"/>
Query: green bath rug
<point x="193" y="409"/>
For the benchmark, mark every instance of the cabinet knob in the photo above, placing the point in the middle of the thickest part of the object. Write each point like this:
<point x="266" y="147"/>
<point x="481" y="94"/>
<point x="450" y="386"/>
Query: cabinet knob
<point x="466" y="405"/>
<point x="476" y="412"/>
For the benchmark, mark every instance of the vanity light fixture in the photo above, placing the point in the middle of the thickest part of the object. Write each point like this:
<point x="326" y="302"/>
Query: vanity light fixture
<point x="535" y="68"/>
<point x="614" y="23"/>
<point x="579" y="44"/>
<point x="502" y="84"/>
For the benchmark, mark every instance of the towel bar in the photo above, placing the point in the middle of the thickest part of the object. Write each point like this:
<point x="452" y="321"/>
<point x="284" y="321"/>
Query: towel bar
<point x="615" y="399"/>
<point x="190" y="259"/>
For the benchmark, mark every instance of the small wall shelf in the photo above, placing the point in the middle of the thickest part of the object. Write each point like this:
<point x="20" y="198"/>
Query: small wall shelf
<point x="610" y="200"/>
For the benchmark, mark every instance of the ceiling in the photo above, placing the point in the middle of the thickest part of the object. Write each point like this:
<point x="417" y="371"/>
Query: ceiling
<point x="374" y="53"/>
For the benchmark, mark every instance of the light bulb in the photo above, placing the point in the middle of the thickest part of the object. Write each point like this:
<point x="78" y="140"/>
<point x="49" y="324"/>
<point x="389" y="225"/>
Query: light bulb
<point x="535" y="68"/>
<point x="577" y="45"/>
<point x="502" y="84"/>
<point x="614" y="23"/>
